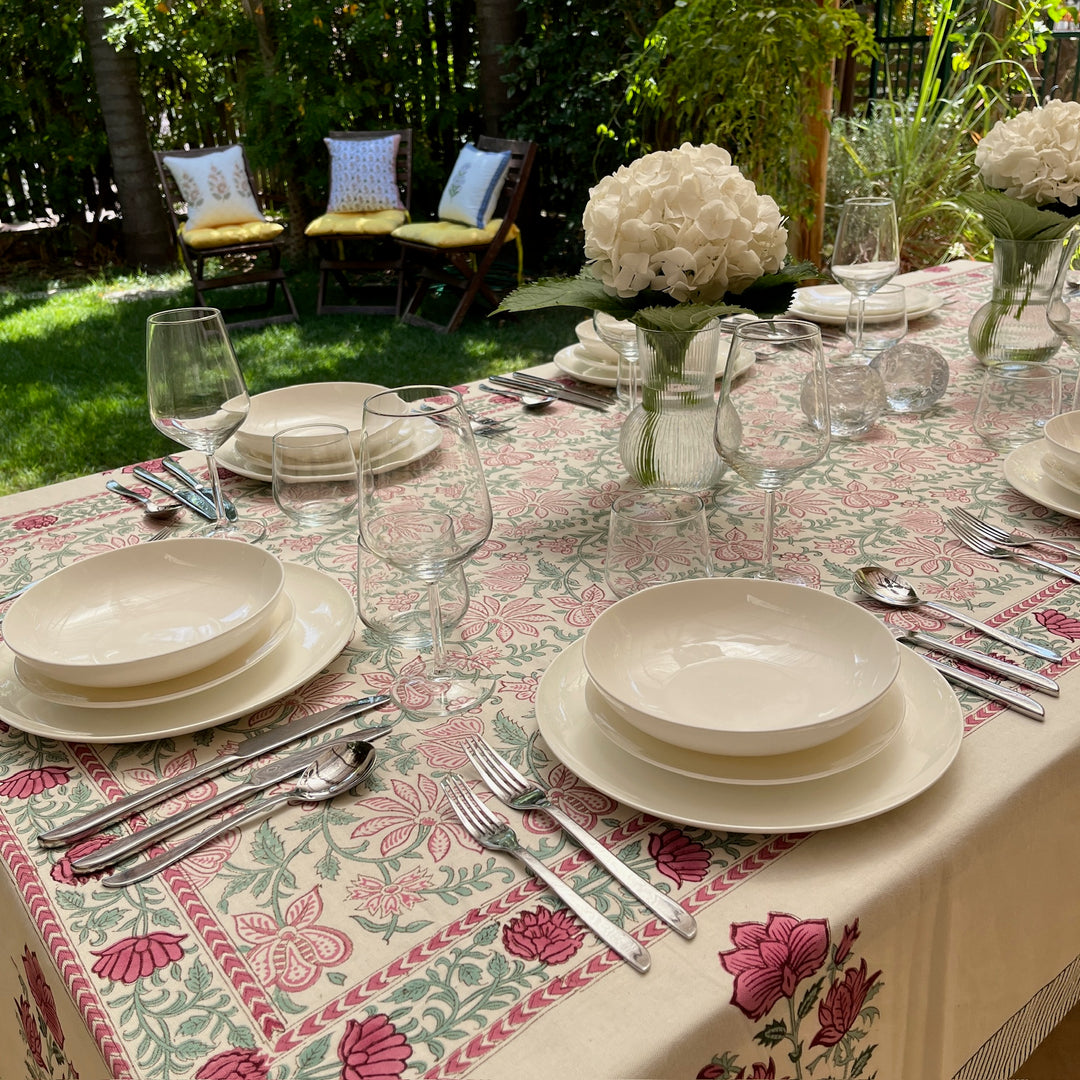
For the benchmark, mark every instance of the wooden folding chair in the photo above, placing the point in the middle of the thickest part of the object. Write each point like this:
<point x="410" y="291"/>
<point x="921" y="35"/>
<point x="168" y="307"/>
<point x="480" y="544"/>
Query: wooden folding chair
<point x="355" y="249"/>
<point x="461" y="257"/>
<point x="249" y="248"/>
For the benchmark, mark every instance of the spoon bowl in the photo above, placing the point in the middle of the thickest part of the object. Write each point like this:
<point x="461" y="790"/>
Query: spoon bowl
<point x="891" y="589"/>
<point x="150" y="508"/>
<point x="528" y="401"/>
<point x="341" y="766"/>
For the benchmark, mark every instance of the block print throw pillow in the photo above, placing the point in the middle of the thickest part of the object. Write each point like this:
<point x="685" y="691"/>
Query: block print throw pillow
<point x="363" y="175"/>
<point x="216" y="189"/>
<point x="473" y="189"/>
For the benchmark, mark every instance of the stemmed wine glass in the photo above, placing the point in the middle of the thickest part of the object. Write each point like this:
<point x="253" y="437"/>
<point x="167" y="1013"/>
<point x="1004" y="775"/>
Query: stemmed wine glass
<point x="773" y="421"/>
<point x="197" y="395"/>
<point x="867" y="252"/>
<point x="424" y="508"/>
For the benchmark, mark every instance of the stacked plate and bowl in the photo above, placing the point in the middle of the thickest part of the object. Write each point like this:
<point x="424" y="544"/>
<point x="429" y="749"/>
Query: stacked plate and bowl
<point x="750" y="705"/>
<point x="1047" y="470"/>
<point x="250" y="451"/>
<point x="158" y="639"/>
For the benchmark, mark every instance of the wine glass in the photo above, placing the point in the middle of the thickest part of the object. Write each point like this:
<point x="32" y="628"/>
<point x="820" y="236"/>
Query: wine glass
<point x="424" y="508"/>
<point x="197" y="395"/>
<point x="867" y="252"/>
<point x="773" y="421"/>
<point x="1063" y="314"/>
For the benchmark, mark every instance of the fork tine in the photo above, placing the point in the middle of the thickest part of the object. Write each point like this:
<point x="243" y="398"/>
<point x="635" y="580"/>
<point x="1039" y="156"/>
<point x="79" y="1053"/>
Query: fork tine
<point x="980" y="525"/>
<point x="489" y="763"/>
<point x="456" y="794"/>
<point x="488" y="775"/>
<point x="971" y="540"/>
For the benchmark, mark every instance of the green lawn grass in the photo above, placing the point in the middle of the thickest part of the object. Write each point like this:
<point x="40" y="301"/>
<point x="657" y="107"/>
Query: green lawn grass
<point x="72" y="379"/>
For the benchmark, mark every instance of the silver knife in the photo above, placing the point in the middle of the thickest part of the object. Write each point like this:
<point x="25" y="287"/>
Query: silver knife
<point x="196" y="485"/>
<point x="554" y="386"/>
<point x="274" y="739"/>
<point x="556" y="390"/>
<point x="259" y="780"/>
<point x="989" y="689"/>
<point x="978" y="659"/>
<point x="202" y="506"/>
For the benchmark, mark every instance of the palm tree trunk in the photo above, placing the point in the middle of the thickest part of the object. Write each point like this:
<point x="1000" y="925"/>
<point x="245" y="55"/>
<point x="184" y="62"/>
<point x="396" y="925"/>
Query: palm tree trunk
<point x="116" y="78"/>
<point x="498" y="23"/>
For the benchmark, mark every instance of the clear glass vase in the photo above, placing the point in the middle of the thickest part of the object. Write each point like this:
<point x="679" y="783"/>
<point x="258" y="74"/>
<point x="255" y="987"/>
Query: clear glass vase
<point x="1012" y="325"/>
<point x="666" y="440"/>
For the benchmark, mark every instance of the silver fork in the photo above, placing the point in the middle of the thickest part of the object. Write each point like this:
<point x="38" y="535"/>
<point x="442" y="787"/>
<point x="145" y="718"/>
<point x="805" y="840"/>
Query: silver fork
<point x="516" y="791"/>
<point x="485" y="427"/>
<point x="983" y="547"/>
<point x="496" y="835"/>
<point x="1007" y="539"/>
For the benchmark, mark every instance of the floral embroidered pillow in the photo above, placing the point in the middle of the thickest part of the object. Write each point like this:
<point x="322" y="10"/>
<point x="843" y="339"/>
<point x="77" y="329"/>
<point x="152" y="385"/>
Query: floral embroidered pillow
<point x="474" y="186"/>
<point x="216" y="189"/>
<point x="363" y="175"/>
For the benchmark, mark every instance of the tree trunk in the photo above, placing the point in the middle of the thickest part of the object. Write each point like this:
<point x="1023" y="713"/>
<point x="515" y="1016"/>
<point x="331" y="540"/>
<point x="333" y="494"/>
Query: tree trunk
<point x="116" y="78"/>
<point x="498" y="23"/>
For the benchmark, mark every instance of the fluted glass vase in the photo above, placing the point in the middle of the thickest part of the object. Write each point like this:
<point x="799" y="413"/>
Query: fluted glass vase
<point x="666" y="441"/>
<point x="1013" y="325"/>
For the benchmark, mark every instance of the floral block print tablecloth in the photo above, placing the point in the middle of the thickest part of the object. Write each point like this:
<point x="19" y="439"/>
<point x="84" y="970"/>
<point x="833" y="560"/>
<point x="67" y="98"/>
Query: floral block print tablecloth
<point x="371" y="938"/>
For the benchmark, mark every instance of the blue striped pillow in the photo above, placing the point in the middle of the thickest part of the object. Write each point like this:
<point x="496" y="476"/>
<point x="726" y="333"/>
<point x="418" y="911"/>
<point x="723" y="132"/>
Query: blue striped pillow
<point x="474" y="186"/>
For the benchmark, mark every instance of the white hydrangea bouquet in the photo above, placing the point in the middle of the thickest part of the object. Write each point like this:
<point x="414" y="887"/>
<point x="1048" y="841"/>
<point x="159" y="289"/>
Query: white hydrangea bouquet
<point x="674" y="240"/>
<point x="1030" y="165"/>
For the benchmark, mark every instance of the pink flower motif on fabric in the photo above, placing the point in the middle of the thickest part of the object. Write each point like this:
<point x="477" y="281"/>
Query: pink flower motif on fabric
<point x="583" y="803"/>
<point x="523" y="687"/>
<point x="35" y="521"/>
<point x="42" y="994"/>
<point x="31" y="1035"/>
<point x="329" y="688"/>
<point x="442" y="747"/>
<point x="373" y="1049"/>
<point x="858" y="496"/>
<point x="1058" y="622"/>
<point x="29" y="782"/>
<point x="206" y="863"/>
<point x="843" y="1003"/>
<point x="292" y="956"/>
<point x="770" y="959"/>
<point x="582" y="612"/>
<point x="403" y="817"/>
<point x="134" y="958"/>
<point x="487" y="614"/>
<point x="537" y="503"/>
<point x="176" y="766"/>
<point x="236" y="1064"/>
<point x="678" y="857"/>
<point x="62" y="870"/>
<point x="552" y="937"/>
<point x="384" y="899"/>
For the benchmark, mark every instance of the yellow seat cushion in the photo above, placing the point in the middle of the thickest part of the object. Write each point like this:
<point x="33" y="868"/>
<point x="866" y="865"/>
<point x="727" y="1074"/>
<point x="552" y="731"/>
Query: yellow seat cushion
<point x="247" y="232"/>
<point x="449" y="234"/>
<point x="368" y="223"/>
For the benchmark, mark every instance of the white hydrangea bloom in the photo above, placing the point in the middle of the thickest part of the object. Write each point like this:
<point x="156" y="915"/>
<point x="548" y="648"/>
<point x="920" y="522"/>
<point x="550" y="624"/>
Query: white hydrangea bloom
<point x="685" y="222"/>
<point x="1035" y="155"/>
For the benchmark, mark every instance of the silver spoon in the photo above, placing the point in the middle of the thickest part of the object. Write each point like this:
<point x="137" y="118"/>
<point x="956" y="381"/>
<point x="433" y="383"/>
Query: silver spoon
<point x="889" y="588"/>
<point x="528" y="401"/>
<point x="150" y="508"/>
<point x="330" y="774"/>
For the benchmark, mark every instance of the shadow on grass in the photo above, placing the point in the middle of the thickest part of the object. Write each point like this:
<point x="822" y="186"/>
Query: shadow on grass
<point x="72" y="379"/>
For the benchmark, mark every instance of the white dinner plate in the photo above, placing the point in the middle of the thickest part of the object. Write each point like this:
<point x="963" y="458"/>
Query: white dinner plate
<point x="850" y="749"/>
<point x="405" y="454"/>
<point x="130" y="697"/>
<point x="576" y="362"/>
<point x="828" y="304"/>
<point x="1024" y="470"/>
<point x="324" y="622"/>
<point x="919" y="754"/>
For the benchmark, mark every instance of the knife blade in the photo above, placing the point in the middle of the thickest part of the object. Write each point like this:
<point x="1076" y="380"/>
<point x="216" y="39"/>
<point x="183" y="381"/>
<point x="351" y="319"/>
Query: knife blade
<point x="978" y="659"/>
<point x="554" y="386"/>
<point x="256" y="746"/>
<point x="259" y="780"/>
<point x="989" y="689"/>
<point x="199" y="503"/>
<point x="193" y="482"/>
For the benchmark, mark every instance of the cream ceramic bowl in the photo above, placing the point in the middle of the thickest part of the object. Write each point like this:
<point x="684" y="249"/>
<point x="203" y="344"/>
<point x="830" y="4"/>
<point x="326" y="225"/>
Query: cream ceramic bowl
<point x="1062" y="434"/>
<point x="145" y="614"/>
<point x="309" y="403"/>
<point x="740" y="667"/>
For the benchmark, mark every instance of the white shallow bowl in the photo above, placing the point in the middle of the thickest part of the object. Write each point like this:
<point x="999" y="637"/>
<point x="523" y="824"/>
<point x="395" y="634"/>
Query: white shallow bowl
<point x="145" y="614"/>
<point x="739" y="667"/>
<point x="309" y="403"/>
<point x="1062" y="434"/>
